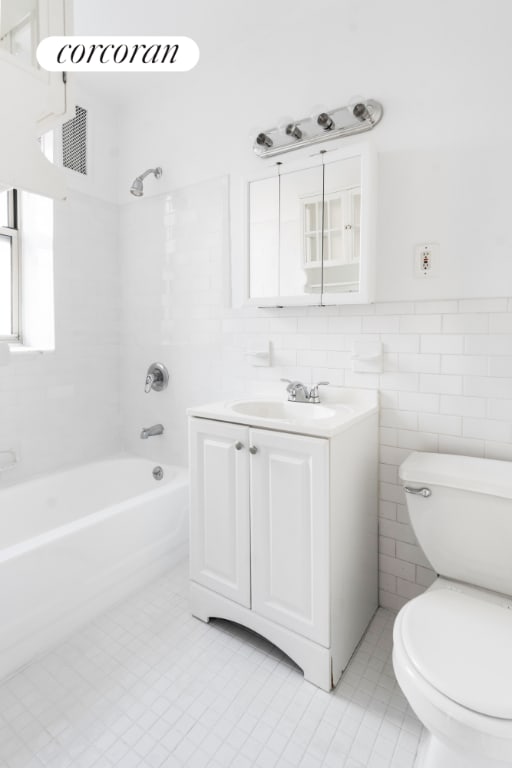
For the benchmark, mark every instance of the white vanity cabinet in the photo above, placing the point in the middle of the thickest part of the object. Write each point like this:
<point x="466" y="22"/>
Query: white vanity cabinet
<point x="284" y="536"/>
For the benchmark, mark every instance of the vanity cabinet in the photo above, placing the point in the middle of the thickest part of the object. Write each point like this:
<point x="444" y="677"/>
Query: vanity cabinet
<point x="284" y="536"/>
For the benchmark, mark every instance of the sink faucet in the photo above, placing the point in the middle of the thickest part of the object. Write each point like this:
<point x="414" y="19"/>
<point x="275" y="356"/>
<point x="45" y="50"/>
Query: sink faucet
<point x="156" y="429"/>
<point x="301" y="393"/>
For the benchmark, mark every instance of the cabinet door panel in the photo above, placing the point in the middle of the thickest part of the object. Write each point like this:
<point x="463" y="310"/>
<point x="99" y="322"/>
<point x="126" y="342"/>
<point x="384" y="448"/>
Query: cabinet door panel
<point x="290" y="532"/>
<point x="219" y="508"/>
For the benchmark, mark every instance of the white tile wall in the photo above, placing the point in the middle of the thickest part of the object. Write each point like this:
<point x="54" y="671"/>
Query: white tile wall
<point x="62" y="407"/>
<point x="175" y="268"/>
<point x="446" y="384"/>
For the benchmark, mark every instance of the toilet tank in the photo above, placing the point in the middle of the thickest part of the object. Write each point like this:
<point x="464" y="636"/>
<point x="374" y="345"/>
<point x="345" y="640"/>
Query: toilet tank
<point x="465" y="525"/>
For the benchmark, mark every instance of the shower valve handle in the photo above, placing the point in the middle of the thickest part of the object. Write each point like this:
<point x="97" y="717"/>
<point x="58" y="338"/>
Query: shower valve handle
<point x="157" y="378"/>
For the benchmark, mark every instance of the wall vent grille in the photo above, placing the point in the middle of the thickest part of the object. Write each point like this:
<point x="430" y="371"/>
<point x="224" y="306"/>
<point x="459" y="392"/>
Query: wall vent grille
<point x="74" y="142"/>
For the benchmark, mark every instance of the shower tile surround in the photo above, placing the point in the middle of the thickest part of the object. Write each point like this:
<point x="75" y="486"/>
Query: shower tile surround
<point x="148" y="686"/>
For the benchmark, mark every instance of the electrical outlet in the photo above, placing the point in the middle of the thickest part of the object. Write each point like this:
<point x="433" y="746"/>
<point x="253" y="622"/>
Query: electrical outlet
<point x="426" y="260"/>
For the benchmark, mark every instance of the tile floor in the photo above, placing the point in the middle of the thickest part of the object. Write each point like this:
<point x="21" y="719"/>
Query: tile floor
<point x="146" y="685"/>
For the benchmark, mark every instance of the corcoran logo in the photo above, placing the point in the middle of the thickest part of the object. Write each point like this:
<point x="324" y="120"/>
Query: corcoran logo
<point x="117" y="54"/>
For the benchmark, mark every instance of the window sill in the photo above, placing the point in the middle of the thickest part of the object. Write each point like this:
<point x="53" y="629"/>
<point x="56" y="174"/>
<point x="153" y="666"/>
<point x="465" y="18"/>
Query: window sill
<point x="24" y="351"/>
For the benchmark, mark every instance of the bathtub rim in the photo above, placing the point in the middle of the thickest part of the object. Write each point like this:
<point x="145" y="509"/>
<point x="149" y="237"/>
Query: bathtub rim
<point x="179" y="481"/>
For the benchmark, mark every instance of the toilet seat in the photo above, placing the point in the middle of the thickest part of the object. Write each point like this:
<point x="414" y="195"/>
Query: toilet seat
<point x="473" y="731"/>
<point x="462" y="646"/>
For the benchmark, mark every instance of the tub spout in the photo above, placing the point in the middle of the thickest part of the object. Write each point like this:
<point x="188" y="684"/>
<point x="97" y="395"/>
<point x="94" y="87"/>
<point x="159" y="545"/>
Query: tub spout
<point x="156" y="429"/>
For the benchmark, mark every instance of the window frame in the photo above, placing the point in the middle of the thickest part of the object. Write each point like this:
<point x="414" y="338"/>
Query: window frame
<point x="12" y="232"/>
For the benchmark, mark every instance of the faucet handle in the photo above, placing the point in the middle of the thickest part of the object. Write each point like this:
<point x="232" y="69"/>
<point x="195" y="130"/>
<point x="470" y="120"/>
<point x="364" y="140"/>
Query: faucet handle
<point x="157" y="377"/>
<point x="291" y="384"/>
<point x="313" y="392"/>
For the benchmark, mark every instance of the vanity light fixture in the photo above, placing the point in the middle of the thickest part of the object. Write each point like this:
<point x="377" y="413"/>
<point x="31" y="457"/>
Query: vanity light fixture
<point x="335" y="123"/>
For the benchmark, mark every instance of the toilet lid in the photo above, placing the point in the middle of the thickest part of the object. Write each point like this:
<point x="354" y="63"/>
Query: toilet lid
<point x="462" y="646"/>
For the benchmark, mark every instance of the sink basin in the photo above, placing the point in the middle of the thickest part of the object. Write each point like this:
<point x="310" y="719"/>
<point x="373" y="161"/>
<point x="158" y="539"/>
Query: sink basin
<point x="284" y="410"/>
<point x="338" y="412"/>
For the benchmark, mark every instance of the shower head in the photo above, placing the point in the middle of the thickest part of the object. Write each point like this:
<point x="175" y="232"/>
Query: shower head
<point x="137" y="188"/>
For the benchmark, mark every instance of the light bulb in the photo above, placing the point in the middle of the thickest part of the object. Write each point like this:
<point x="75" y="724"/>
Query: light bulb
<point x="292" y="129"/>
<point x="263" y="140"/>
<point x="358" y="106"/>
<point x="325" y="121"/>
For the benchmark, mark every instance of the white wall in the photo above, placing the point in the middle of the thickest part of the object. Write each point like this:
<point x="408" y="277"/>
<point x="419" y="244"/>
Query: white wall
<point x="62" y="407"/>
<point x="440" y="69"/>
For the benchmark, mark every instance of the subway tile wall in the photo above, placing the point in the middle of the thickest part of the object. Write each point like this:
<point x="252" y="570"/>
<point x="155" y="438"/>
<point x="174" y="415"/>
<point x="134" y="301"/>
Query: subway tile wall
<point x="446" y="386"/>
<point x="446" y="383"/>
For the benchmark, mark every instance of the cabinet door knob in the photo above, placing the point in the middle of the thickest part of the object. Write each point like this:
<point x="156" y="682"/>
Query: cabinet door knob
<point x="239" y="445"/>
<point x="253" y="449"/>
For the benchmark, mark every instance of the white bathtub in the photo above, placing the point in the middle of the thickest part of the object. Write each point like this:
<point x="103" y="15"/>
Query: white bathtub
<point x="75" y="542"/>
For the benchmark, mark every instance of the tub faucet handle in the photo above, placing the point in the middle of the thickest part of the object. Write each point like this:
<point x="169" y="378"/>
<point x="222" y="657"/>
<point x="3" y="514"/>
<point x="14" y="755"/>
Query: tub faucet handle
<point x="157" y="378"/>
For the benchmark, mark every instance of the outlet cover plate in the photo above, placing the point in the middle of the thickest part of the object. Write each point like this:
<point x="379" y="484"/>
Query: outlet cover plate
<point x="426" y="260"/>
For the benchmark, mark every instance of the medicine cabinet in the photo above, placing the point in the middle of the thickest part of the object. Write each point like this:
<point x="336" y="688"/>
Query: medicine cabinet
<point x="310" y="230"/>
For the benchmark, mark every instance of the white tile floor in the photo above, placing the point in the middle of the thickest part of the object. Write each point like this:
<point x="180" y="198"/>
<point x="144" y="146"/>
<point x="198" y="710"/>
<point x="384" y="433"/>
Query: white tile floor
<point x="148" y="685"/>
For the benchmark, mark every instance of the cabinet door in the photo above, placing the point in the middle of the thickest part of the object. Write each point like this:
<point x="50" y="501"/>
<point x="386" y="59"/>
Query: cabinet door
<point x="290" y="531"/>
<point x="219" y="508"/>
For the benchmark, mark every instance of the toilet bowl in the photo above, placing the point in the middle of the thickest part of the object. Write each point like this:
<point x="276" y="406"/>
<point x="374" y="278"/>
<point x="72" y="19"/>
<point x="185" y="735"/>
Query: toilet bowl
<point x="452" y="646"/>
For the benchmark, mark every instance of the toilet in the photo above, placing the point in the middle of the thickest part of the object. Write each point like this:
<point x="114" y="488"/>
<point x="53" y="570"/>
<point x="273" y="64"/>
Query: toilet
<point x="452" y="645"/>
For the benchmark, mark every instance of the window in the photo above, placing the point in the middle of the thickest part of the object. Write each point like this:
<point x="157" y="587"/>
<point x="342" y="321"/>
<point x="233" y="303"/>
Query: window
<point x="9" y="267"/>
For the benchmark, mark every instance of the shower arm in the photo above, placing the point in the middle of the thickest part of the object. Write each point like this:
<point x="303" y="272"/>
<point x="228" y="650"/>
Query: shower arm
<point x="156" y="171"/>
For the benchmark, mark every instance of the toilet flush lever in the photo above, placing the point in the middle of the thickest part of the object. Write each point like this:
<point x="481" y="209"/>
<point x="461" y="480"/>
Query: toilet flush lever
<point x="418" y="491"/>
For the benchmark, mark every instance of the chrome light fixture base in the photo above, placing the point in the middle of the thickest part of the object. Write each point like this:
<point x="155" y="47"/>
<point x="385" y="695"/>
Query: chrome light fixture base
<point x="343" y="121"/>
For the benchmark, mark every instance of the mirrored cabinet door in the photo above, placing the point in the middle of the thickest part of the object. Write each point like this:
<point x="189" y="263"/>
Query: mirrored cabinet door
<point x="342" y="226"/>
<point x="264" y="238"/>
<point x="310" y="231"/>
<point x="300" y="230"/>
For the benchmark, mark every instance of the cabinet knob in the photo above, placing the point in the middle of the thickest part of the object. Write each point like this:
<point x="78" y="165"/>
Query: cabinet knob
<point x="239" y="445"/>
<point x="253" y="449"/>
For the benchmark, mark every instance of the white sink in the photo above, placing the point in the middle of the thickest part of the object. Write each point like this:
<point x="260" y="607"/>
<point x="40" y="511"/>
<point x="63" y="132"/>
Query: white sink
<point x="283" y="410"/>
<point x="341" y="408"/>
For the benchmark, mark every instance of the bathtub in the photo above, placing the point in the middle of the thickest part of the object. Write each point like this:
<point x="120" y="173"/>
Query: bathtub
<point x="75" y="542"/>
